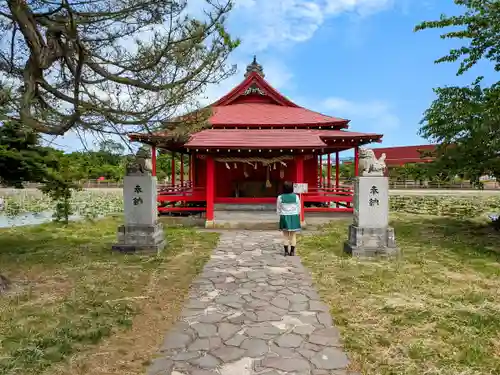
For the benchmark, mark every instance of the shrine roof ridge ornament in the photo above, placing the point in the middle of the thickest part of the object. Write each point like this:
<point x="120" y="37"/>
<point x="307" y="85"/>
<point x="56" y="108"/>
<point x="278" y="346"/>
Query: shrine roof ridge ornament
<point x="254" y="89"/>
<point x="254" y="66"/>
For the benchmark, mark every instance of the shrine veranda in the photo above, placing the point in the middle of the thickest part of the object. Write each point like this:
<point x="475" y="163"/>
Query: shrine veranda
<point x="257" y="140"/>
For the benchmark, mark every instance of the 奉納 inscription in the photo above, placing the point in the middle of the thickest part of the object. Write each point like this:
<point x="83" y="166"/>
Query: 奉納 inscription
<point x="373" y="199"/>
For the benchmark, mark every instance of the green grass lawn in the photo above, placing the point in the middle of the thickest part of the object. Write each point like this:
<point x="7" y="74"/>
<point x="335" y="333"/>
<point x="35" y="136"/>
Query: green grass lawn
<point x="434" y="311"/>
<point x="76" y="307"/>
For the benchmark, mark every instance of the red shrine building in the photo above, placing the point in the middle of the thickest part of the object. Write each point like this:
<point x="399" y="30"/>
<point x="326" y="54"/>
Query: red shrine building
<point x="402" y="155"/>
<point x="257" y="140"/>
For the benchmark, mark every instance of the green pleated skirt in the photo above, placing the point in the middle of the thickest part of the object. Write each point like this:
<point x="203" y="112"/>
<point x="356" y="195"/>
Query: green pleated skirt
<point x="290" y="222"/>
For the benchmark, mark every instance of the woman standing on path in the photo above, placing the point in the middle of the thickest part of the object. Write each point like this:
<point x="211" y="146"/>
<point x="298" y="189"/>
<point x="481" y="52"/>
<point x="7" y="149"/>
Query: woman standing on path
<point x="288" y="208"/>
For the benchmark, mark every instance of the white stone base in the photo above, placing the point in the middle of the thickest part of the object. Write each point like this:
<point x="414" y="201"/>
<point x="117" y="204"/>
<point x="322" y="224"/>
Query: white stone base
<point x="140" y="239"/>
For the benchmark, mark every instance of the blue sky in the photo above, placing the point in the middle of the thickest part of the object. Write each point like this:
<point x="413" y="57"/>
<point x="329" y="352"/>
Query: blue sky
<point x="357" y="59"/>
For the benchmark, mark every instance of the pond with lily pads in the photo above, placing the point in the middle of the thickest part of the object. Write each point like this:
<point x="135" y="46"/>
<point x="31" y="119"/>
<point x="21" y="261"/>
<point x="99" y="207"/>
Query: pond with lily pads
<point x="31" y="207"/>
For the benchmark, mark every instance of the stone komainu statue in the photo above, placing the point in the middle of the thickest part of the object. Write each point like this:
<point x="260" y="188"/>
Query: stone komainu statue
<point x="369" y="164"/>
<point x="140" y="165"/>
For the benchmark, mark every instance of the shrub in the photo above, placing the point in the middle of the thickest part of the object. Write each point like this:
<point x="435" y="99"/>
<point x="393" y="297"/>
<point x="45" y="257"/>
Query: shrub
<point x="441" y="205"/>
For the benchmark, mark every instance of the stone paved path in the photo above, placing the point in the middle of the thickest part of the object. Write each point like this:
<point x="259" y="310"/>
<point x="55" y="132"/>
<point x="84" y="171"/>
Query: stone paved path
<point x="252" y="311"/>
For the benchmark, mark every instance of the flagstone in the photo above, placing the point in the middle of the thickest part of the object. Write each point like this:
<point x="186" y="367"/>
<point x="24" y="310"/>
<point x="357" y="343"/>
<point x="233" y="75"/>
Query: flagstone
<point x="252" y="311"/>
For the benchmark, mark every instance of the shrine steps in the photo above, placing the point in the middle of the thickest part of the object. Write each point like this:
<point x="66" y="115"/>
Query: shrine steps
<point x="252" y="220"/>
<point x="244" y="207"/>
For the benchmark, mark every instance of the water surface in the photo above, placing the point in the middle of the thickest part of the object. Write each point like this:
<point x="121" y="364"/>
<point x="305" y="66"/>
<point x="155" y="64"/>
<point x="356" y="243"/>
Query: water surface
<point x="29" y="218"/>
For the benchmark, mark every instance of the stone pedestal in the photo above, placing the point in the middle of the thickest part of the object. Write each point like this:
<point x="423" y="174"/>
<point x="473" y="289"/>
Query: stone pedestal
<point x="141" y="231"/>
<point x="370" y="234"/>
<point x="370" y="242"/>
<point x="140" y="238"/>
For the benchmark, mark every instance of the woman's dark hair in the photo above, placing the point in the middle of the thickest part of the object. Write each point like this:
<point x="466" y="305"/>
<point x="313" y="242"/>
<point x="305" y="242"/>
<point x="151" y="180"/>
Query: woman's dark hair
<point x="287" y="187"/>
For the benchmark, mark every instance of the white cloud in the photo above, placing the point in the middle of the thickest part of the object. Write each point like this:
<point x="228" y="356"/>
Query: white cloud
<point x="374" y="115"/>
<point x="361" y="7"/>
<point x="265" y="23"/>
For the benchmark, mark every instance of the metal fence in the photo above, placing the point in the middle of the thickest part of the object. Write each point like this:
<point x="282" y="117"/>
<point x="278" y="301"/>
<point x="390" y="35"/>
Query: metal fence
<point x="97" y="184"/>
<point x="463" y="185"/>
<point x="419" y="185"/>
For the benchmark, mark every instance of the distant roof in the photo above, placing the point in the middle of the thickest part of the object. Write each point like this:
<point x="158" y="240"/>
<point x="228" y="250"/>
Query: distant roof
<point x="404" y="154"/>
<point x="277" y="138"/>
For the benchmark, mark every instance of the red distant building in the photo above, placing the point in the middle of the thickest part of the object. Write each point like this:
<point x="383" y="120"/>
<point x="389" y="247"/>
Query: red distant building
<point x="399" y="156"/>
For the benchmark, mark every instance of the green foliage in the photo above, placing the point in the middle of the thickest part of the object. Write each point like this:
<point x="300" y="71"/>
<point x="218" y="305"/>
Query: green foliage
<point x="479" y="26"/>
<point x="164" y="165"/>
<point x="108" y="161"/>
<point x="412" y="171"/>
<point x="106" y="69"/>
<point x="465" y="120"/>
<point x="110" y="147"/>
<point x="22" y="158"/>
<point x="420" y="172"/>
<point x="60" y="188"/>
<point x="459" y="206"/>
<point x="88" y="204"/>
<point x="346" y="170"/>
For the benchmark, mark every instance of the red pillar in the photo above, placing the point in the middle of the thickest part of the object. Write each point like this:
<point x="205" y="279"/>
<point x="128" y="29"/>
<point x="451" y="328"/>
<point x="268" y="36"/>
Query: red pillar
<point x="299" y="170"/>
<point x="337" y="173"/>
<point x="172" y="167"/>
<point x="329" y="171"/>
<point x="192" y="161"/>
<point x="356" y="161"/>
<point x="337" y="169"/>
<point x="189" y="170"/>
<point x="153" y="160"/>
<point x="182" y="170"/>
<point x="320" y="159"/>
<point x="209" y="216"/>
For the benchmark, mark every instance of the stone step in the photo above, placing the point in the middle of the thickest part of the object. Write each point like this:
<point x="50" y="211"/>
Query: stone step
<point x="248" y="220"/>
<point x="225" y="224"/>
<point x="245" y="207"/>
<point x="251" y="225"/>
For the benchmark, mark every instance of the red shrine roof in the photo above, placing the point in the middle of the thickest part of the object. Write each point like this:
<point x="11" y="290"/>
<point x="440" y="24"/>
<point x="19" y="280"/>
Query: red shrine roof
<point x="404" y="154"/>
<point x="277" y="138"/>
<point x="262" y="114"/>
<point x="254" y="102"/>
<point x="256" y="115"/>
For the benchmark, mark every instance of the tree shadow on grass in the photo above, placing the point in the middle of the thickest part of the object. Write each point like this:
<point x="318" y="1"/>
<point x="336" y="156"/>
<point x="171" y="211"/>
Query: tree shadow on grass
<point x="54" y="243"/>
<point x="464" y="238"/>
<point x="418" y="236"/>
